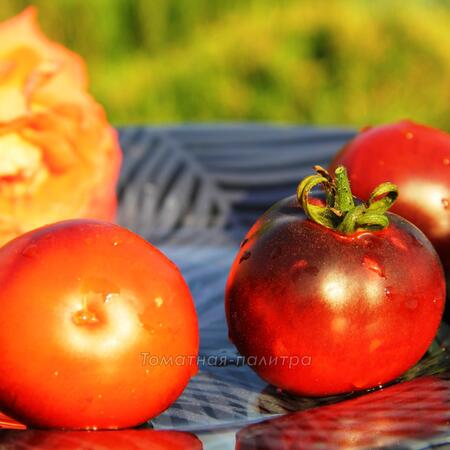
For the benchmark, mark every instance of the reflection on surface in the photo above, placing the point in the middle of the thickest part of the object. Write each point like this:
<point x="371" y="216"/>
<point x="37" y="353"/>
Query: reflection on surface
<point x="96" y="440"/>
<point x="414" y="409"/>
<point x="7" y="422"/>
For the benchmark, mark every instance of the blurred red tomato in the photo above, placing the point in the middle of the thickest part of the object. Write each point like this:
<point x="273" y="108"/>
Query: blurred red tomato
<point x="98" y="328"/>
<point x="417" y="159"/>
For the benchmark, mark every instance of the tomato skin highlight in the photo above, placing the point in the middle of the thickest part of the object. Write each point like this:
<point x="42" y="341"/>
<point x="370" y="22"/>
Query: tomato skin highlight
<point x="417" y="159"/>
<point x="360" y="309"/>
<point x="82" y="303"/>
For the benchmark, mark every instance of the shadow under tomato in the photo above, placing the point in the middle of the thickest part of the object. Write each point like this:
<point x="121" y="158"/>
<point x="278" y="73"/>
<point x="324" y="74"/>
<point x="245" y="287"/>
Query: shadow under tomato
<point x="414" y="409"/>
<point x="93" y="440"/>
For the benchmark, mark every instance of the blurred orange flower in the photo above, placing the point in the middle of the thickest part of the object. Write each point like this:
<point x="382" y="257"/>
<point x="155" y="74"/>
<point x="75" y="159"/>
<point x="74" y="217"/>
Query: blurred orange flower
<point x="59" y="157"/>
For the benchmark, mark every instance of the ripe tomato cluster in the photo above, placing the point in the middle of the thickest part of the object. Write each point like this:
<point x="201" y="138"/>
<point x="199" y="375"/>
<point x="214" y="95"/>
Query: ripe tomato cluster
<point x="417" y="159"/>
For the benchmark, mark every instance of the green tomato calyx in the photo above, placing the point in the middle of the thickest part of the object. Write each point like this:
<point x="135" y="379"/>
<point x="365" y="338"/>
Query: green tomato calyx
<point x="340" y="213"/>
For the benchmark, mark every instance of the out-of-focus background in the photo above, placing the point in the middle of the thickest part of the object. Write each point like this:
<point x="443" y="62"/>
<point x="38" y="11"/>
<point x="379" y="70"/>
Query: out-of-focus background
<point x="351" y="62"/>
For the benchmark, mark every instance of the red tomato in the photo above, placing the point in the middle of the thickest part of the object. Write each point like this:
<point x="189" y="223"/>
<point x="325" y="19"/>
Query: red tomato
<point x="99" y="440"/>
<point x="417" y="159"/>
<point x="89" y="312"/>
<point x="323" y="311"/>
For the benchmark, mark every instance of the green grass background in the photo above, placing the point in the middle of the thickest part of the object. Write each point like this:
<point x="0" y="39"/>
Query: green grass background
<point x="292" y="61"/>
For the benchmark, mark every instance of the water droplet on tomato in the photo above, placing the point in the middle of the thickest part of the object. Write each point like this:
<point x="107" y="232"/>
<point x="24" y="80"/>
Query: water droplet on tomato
<point x="298" y="268"/>
<point x="446" y="161"/>
<point x="409" y="135"/>
<point x="301" y="264"/>
<point x="245" y="256"/>
<point x="398" y="243"/>
<point x="363" y="239"/>
<point x="85" y="317"/>
<point x="30" y="251"/>
<point x="375" y="266"/>
<point x="388" y="292"/>
<point x="445" y="203"/>
<point x="55" y="373"/>
<point x="369" y="240"/>
<point x="302" y="267"/>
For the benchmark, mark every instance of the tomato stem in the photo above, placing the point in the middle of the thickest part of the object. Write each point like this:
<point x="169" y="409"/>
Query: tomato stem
<point x="340" y="212"/>
<point x="344" y="198"/>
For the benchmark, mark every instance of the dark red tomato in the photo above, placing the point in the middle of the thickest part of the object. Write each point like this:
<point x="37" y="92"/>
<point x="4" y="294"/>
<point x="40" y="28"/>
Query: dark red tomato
<point x="417" y="159"/>
<point x="97" y="328"/>
<point x="322" y="312"/>
<point x="99" y="440"/>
